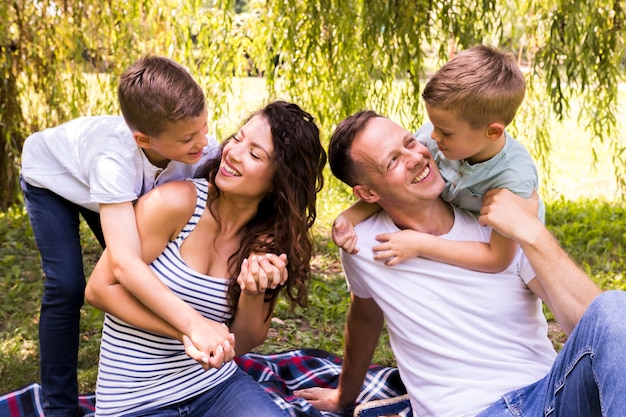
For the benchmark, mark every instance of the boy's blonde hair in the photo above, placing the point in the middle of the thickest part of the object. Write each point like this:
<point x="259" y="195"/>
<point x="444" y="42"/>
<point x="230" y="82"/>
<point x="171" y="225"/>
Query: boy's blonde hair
<point x="481" y="85"/>
<point x="156" y="90"/>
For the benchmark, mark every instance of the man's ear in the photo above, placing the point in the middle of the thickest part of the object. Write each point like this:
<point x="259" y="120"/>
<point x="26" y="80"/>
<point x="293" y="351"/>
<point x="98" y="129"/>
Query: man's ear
<point x="365" y="193"/>
<point x="495" y="131"/>
<point x="142" y="140"/>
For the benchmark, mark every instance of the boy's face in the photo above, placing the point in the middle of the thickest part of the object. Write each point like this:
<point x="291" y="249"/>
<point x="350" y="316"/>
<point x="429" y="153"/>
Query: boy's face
<point x="181" y="141"/>
<point x="457" y="140"/>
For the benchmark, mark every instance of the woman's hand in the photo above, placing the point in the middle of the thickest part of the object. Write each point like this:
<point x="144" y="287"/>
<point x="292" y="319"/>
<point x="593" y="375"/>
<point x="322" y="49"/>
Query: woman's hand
<point x="260" y="272"/>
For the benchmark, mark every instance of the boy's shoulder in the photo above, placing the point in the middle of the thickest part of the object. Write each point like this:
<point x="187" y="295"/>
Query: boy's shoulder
<point x="515" y="150"/>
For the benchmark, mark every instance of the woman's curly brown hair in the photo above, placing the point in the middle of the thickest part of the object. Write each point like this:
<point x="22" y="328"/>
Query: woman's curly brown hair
<point x="284" y="217"/>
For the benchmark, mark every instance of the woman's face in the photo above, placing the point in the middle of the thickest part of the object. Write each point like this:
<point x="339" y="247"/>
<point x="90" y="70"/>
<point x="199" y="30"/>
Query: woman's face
<point x="247" y="168"/>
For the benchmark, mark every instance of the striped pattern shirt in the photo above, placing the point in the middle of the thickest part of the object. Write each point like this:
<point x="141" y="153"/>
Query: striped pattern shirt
<point x="140" y="370"/>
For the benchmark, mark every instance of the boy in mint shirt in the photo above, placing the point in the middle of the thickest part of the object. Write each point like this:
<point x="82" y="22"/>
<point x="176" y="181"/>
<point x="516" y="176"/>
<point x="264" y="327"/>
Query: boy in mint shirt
<point x="470" y="101"/>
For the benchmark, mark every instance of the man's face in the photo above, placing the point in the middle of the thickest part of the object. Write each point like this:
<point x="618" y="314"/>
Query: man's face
<point x="399" y="169"/>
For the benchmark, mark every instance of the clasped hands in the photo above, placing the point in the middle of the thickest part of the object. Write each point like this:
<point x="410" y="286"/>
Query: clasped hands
<point x="211" y="343"/>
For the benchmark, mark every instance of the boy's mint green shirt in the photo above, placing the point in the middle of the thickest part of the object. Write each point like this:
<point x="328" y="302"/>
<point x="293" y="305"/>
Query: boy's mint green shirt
<point x="466" y="184"/>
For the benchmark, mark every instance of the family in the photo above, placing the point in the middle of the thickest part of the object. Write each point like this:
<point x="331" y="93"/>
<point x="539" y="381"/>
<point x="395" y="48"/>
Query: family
<point x="446" y="246"/>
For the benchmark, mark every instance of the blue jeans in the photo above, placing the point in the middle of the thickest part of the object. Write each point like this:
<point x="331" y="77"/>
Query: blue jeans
<point x="238" y="396"/>
<point x="55" y="223"/>
<point x="588" y="377"/>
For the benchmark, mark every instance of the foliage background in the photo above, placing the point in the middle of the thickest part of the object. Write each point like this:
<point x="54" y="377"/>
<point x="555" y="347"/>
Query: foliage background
<point x="61" y="59"/>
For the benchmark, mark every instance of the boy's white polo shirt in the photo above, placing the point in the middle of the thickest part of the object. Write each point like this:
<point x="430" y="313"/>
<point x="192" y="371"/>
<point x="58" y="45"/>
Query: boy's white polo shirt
<point x="93" y="160"/>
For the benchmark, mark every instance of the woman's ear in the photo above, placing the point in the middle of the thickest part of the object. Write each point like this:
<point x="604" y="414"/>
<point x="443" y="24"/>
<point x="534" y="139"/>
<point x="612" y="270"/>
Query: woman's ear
<point x="365" y="193"/>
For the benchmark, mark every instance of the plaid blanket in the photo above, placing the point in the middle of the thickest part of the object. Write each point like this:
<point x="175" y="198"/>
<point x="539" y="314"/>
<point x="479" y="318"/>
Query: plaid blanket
<point x="280" y="374"/>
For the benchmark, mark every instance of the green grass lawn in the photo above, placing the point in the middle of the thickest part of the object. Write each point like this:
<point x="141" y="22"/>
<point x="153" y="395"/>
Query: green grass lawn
<point x="581" y="212"/>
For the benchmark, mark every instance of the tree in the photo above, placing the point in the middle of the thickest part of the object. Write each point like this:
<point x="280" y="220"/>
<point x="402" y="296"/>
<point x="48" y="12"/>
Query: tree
<point x="61" y="59"/>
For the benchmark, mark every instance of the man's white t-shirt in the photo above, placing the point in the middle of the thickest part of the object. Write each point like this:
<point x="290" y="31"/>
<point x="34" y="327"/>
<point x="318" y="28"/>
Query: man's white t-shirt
<point x="461" y="338"/>
<point x="93" y="160"/>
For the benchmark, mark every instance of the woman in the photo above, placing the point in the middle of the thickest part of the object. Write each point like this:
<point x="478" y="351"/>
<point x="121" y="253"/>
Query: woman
<point x="207" y="239"/>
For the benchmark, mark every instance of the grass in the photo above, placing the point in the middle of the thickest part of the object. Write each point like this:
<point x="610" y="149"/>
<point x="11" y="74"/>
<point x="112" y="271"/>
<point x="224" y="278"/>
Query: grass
<point x="587" y="222"/>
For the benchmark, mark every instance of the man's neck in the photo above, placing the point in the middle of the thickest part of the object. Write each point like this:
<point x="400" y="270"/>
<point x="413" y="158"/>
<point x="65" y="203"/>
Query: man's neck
<point x="435" y="218"/>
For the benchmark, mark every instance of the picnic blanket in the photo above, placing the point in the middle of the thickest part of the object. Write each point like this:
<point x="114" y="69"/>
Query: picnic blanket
<point x="280" y="374"/>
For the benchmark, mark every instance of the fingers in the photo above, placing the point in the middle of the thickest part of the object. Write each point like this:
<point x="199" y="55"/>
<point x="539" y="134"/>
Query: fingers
<point x="258" y="273"/>
<point x="344" y="236"/>
<point x="278" y="266"/>
<point x="193" y="352"/>
<point x="349" y="245"/>
<point x="383" y="237"/>
<point x="325" y="399"/>
<point x="248" y="275"/>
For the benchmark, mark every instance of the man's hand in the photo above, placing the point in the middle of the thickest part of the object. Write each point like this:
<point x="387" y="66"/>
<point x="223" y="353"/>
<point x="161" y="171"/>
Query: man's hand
<point x="508" y="213"/>
<point x="323" y="399"/>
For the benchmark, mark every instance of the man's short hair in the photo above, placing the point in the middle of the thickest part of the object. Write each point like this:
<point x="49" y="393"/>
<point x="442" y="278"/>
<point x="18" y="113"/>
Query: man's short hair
<point x="155" y="90"/>
<point x="339" y="150"/>
<point x="481" y="85"/>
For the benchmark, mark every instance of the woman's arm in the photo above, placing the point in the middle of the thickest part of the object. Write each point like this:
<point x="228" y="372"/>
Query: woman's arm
<point x="253" y="317"/>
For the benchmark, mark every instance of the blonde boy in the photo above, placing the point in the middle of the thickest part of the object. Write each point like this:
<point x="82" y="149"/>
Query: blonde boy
<point x="470" y="101"/>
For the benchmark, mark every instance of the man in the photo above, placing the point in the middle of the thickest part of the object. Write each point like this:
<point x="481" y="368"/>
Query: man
<point x="467" y="343"/>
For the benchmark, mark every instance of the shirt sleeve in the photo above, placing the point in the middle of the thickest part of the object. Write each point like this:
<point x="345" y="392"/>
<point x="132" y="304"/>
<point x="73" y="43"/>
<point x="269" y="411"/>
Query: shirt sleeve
<point x="113" y="179"/>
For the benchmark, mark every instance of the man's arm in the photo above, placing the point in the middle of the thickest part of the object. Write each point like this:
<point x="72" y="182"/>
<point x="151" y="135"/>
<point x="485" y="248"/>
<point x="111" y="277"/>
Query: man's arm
<point x="363" y="328"/>
<point x="567" y="290"/>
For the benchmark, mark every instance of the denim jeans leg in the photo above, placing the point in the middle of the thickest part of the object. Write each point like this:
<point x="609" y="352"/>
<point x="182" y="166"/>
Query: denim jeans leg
<point x="590" y="378"/>
<point x="238" y="396"/>
<point x="55" y="224"/>
<point x="587" y="378"/>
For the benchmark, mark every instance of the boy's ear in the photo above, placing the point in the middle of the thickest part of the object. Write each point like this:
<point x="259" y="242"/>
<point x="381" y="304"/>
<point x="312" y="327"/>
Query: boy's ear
<point x="495" y="131"/>
<point x="365" y="193"/>
<point x="142" y="140"/>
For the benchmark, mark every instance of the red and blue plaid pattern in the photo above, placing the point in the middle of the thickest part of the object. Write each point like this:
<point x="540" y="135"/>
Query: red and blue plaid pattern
<point x="280" y="374"/>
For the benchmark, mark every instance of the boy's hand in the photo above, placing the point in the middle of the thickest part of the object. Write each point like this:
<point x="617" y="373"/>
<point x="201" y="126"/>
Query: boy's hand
<point x="260" y="272"/>
<point x="214" y="348"/>
<point x="397" y="247"/>
<point x="344" y="236"/>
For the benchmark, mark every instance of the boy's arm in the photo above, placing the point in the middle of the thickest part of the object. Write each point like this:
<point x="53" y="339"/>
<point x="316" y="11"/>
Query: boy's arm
<point x="343" y="226"/>
<point x="132" y="272"/>
<point x="106" y="294"/>
<point x="125" y="306"/>
<point x="125" y="258"/>
<point x="494" y="256"/>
